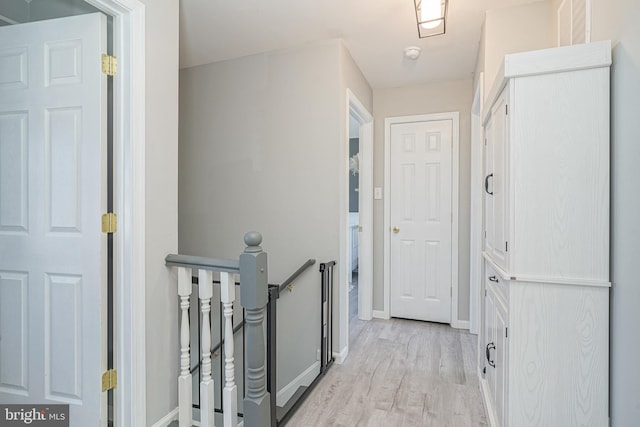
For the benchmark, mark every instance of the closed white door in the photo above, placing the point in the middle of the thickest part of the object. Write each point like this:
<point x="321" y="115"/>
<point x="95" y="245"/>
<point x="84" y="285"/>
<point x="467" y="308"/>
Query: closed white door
<point x="52" y="195"/>
<point x="421" y="218"/>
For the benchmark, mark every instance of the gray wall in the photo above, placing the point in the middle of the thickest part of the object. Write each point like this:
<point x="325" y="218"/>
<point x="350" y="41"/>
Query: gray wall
<point x="259" y="148"/>
<point x="425" y="99"/>
<point x="510" y="30"/>
<point x="617" y="20"/>
<point x="515" y="29"/>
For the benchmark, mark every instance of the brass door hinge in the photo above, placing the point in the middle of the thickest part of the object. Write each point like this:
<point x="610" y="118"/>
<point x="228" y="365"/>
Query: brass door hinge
<point x="109" y="222"/>
<point x="109" y="380"/>
<point x="109" y="64"/>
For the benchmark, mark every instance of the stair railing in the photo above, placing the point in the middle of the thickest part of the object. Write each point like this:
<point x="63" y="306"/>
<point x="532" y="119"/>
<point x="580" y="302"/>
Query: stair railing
<point x="252" y="269"/>
<point x="260" y="364"/>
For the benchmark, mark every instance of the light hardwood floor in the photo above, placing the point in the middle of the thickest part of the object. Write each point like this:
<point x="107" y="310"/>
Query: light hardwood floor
<point x="399" y="373"/>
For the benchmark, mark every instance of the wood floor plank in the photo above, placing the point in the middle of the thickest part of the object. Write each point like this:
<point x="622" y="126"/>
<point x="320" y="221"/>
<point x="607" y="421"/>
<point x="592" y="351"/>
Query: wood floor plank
<point x="399" y="373"/>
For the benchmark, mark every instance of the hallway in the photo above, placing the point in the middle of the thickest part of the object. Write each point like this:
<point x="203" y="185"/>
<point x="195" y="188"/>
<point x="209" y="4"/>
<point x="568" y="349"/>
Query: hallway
<point x="399" y="373"/>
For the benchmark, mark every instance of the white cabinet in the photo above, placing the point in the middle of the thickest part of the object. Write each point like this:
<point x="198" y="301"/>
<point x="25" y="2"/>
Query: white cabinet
<point x="546" y="222"/>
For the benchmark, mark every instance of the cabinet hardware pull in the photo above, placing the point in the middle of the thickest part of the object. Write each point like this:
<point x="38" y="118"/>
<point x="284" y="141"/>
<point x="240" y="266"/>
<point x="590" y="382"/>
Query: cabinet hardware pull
<point x="486" y="184"/>
<point x="494" y="279"/>
<point x="490" y="346"/>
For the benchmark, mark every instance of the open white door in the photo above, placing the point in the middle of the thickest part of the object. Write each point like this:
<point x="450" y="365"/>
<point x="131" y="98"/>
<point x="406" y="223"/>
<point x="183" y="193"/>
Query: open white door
<point x="421" y="220"/>
<point x="52" y="195"/>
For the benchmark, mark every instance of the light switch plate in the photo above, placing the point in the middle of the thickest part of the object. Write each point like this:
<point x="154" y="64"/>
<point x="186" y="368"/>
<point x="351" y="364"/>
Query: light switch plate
<point x="377" y="193"/>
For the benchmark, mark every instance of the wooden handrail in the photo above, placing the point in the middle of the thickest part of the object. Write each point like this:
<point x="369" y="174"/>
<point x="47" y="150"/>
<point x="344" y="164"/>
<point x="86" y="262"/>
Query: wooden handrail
<point x="203" y="263"/>
<point x="297" y="273"/>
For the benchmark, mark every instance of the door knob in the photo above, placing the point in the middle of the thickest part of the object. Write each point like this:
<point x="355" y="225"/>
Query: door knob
<point x="396" y="229"/>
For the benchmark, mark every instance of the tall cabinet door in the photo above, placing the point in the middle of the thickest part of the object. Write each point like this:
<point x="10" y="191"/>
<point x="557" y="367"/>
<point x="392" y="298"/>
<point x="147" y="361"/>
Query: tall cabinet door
<point x="490" y="342"/>
<point x="489" y="220"/>
<point x="501" y="360"/>
<point x="499" y="142"/>
<point x="496" y="349"/>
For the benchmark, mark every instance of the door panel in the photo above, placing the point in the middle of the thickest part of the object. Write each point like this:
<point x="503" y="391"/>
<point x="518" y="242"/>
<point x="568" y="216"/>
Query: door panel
<point x="421" y="186"/>
<point x="13" y="330"/>
<point x="489" y="347"/>
<point x="489" y="219"/>
<point x="52" y="195"/>
<point x="499" y="138"/>
<point x="501" y="362"/>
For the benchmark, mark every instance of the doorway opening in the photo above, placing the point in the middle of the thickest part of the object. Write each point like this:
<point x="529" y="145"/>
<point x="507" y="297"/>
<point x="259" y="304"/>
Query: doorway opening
<point x="356" y="284"/>
<point x="423" y="199"/>
<point x="354" y="215"/>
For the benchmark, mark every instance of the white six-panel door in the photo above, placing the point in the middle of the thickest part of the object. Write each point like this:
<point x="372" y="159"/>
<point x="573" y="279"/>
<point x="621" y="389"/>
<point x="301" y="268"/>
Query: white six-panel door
<point x="421" y="220"/>
<point x="52" y="195"/>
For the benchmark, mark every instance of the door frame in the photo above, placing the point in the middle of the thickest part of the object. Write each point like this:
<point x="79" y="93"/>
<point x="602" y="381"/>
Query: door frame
<point x="477" y="208"/>
<point x="455" y="139"/>
<point x="356" y="109"/>
<point x="129" y="205"/>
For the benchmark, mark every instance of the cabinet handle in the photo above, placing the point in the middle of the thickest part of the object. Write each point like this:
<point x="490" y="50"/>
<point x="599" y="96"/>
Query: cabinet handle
<point x="486" y="184"/>
<point x="490" y="346"/>
<point x="494" y="279"/>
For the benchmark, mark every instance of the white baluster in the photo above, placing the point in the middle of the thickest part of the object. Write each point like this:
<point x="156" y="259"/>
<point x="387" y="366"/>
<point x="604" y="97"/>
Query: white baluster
<point x="230" y="391"/>
<point x="184" y="380"/>
<point x="205" y="286"/>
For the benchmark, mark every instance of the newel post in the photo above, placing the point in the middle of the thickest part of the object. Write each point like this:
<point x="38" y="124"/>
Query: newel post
<point x="254" y="296"/>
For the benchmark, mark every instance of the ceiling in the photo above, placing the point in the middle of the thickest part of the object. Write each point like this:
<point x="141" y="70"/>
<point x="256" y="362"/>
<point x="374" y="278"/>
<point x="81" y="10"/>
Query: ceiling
<point x="375" y="32"/>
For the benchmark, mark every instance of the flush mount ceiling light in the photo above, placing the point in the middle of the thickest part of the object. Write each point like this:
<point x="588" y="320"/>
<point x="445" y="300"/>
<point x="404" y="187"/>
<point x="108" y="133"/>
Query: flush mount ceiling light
<point x="431" y="16"/>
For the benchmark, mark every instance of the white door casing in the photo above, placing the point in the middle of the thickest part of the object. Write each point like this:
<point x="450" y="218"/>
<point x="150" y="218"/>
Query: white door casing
<point x="355" y="108"/>
<point x="365" y="208"/>
<point x="421" y="218"/>
<point x="52" y="195"/>
<point x="476" y="237"/>
<point x="129" y="203"/>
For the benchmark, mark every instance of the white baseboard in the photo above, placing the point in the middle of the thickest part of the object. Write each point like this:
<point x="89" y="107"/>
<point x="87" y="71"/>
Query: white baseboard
<point x="339" y="358"/>
<point x="461" y="324"/>
<point x="304" y="379"/>
<point x="380" y="314"/>
<point x="166" y="420"/>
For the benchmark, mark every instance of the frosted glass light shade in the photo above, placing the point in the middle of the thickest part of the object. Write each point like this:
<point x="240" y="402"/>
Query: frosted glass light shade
<point x="430" y="13"/>
<point x="431" y="16"/>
